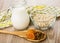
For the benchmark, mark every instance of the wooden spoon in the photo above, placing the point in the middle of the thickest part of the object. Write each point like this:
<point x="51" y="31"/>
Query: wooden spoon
<point x="23" y="34"/>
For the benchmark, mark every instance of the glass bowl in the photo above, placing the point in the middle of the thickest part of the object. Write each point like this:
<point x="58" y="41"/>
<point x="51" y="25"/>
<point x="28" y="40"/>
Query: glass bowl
<point x="42" y="17"/>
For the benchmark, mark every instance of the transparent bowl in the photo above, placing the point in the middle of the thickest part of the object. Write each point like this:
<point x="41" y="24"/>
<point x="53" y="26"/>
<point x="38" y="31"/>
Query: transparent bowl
<point x="42" y="17"/>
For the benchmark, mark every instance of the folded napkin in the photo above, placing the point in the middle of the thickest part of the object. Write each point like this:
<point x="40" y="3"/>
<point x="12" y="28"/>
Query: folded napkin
<point x="5" y="18"/>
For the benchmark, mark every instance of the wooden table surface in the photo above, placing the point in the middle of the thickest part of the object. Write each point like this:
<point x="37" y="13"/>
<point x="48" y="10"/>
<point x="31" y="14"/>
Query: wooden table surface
<point x="53" y="36"/>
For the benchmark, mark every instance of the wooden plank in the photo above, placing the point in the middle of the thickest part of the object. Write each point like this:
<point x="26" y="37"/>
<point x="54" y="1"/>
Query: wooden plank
<point x="53" y="36"/>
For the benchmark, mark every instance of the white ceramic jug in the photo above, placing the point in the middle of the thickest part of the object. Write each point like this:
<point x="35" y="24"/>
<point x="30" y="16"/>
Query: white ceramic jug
<point x="20" y="18"/>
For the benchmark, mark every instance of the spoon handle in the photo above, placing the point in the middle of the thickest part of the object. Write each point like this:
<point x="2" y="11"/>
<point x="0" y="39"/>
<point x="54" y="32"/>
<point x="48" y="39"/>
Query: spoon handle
<point x="18" y="33"/>
<point x="7" y="32"/>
